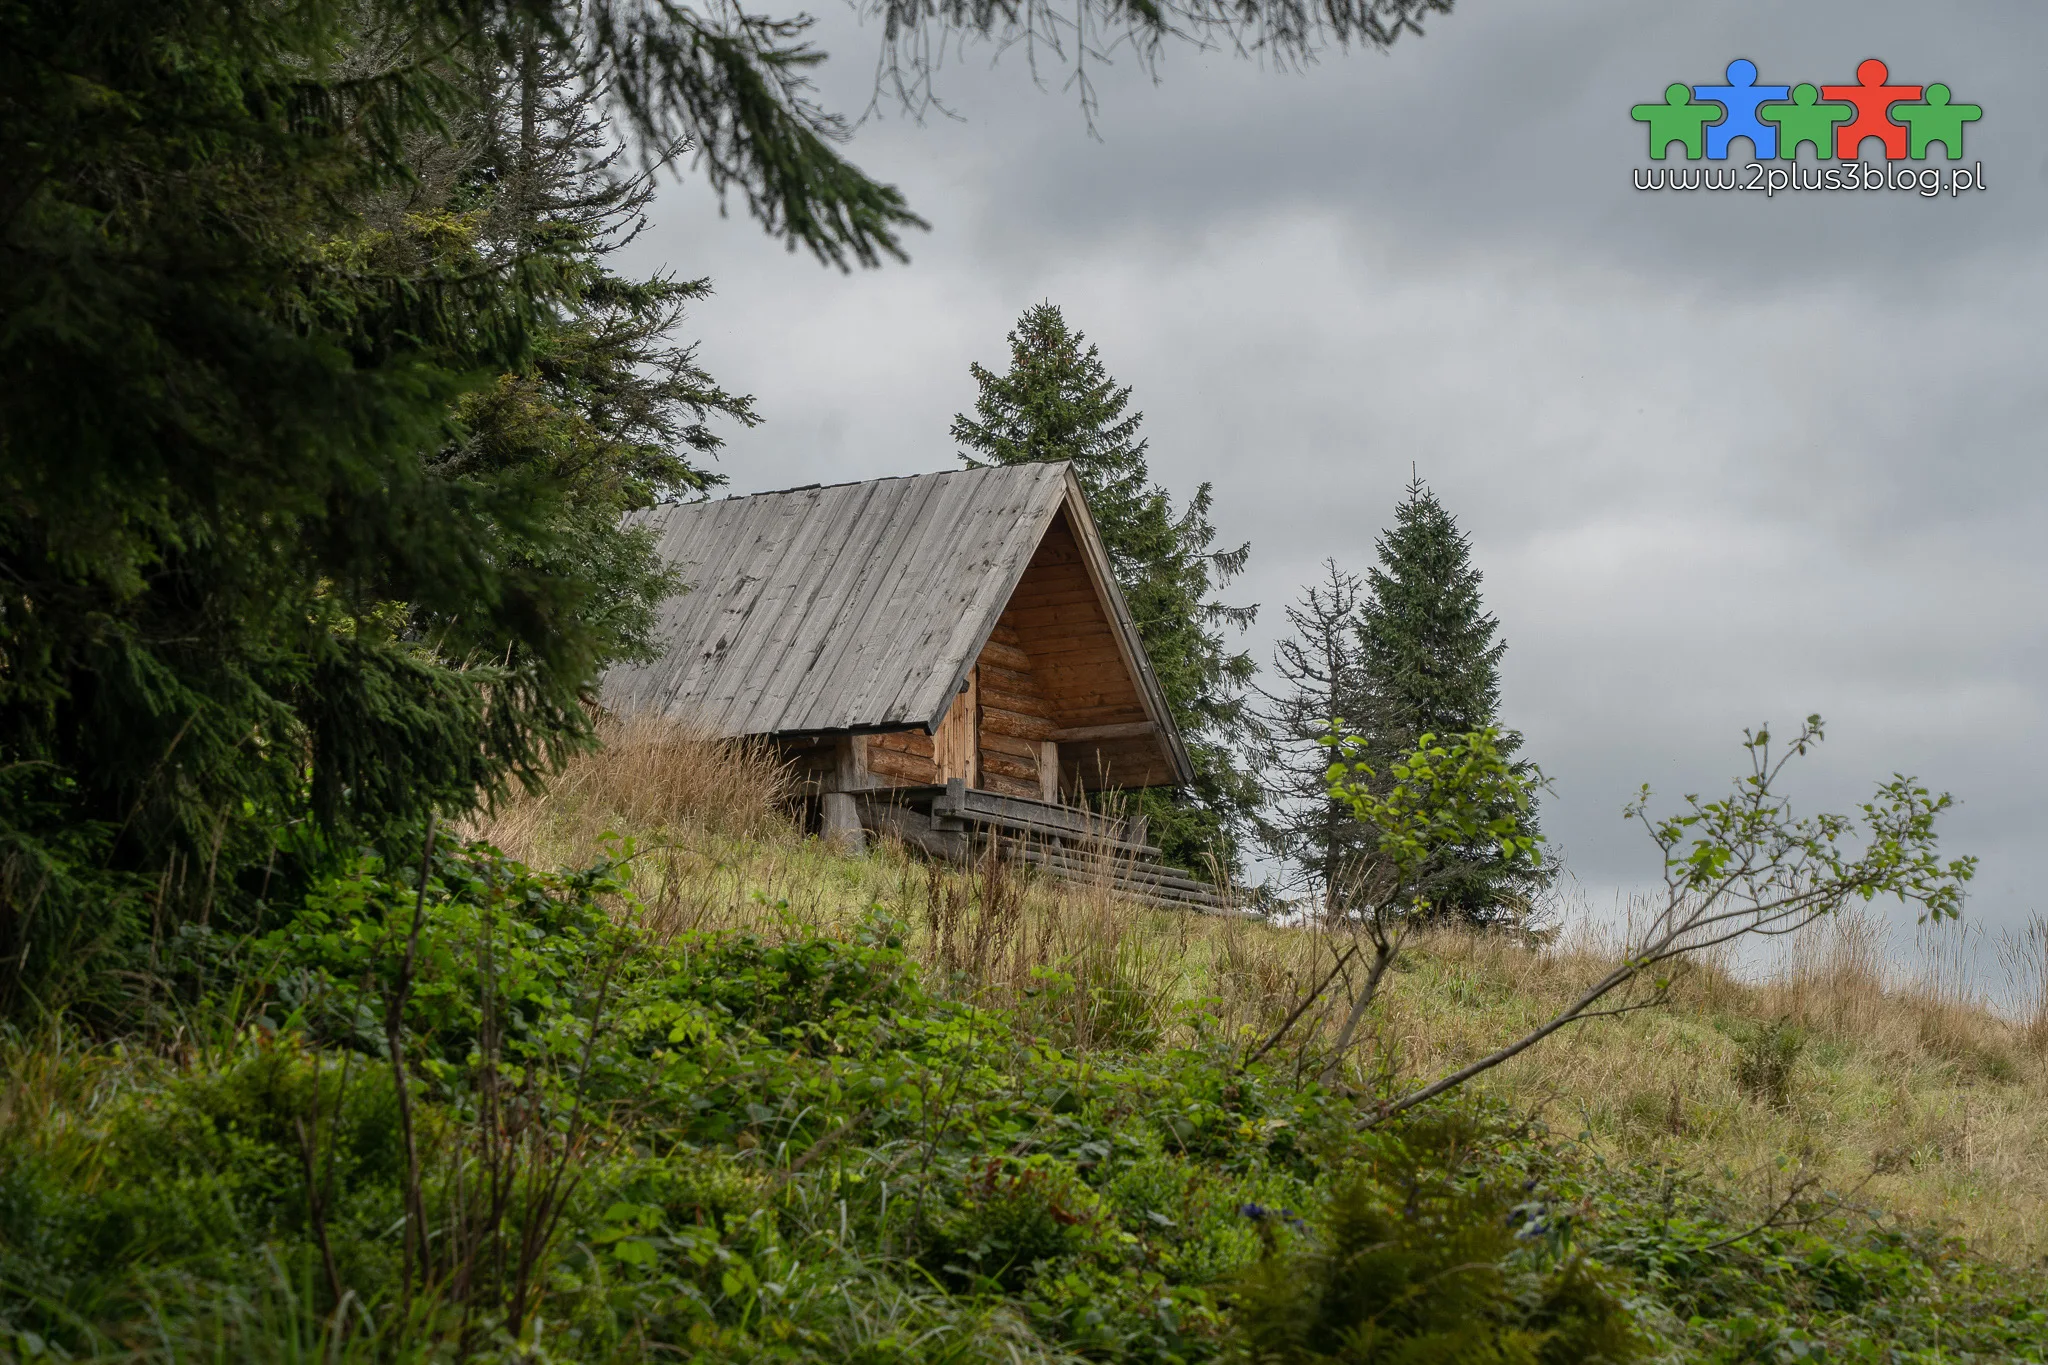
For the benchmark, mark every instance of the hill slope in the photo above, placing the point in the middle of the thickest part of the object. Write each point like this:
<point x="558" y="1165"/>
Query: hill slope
<point x="740" y="1098"/>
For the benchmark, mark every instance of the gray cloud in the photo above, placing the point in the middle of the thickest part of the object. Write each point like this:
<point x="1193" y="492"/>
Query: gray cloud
<point x="1721" y="459"/>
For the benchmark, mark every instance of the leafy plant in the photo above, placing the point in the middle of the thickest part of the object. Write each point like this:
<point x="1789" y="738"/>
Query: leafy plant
<point x="1766" y="1058"/>
<point x="1741" y="865"/>
<point x="1422" y="1255"/>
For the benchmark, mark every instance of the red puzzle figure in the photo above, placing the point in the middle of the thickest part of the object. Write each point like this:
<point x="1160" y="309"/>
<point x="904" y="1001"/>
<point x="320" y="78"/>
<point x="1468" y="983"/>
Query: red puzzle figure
<point x="1873" y="99"/>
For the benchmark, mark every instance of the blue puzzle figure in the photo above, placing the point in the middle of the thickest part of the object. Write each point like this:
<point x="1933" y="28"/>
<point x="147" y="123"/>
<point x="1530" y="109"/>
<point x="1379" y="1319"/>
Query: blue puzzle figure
<point x="1740" y="97"/>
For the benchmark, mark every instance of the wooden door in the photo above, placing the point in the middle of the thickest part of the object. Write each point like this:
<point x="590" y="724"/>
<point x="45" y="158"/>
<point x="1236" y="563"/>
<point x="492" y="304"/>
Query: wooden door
<point x="957" y="745"/>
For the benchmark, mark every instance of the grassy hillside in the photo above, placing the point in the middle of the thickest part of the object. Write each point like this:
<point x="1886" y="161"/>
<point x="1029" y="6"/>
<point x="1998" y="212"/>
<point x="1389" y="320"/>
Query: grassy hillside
<point x="739" y="1098"/>
<point x="1913" y="1094"/>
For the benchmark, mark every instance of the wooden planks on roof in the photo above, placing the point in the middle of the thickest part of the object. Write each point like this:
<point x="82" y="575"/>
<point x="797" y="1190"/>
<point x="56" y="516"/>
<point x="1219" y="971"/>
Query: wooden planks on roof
<point x="856" y="606"/>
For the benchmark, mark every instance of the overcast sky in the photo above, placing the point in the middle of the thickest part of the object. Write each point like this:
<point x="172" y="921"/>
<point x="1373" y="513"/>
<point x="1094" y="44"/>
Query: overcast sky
<point x="1722" y="459"/>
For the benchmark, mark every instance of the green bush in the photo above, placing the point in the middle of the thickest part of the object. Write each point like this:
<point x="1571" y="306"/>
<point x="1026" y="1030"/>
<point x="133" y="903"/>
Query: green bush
<point x="1766" y="1059"/>
<point x="1421" y="1254"/>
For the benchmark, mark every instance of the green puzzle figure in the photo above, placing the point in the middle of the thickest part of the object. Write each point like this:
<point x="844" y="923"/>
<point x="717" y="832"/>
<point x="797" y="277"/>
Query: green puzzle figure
<point x="1936" y="120"/>
<point x="1677" y="119"/>
<point x="1805" y="120"/>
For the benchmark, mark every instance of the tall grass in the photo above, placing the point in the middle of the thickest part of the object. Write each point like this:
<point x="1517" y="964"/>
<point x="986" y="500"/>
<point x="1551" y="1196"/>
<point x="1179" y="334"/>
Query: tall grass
<point x="651" y="777"/>
<point x="1906" y="1086"/>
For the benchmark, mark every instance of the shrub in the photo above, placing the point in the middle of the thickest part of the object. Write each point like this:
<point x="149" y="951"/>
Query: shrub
<point x="1009" y="1224"/>
<point x="1766" y="1059"/>
<point x="1423" y="1254"/>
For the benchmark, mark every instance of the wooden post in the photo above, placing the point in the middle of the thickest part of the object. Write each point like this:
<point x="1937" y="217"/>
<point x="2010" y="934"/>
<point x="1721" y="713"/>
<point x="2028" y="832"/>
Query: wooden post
<point x="841" y="820"/>
<point x="851" y="765"/>
<point x="956" y="747"/>
<point x="1049" y="771"/>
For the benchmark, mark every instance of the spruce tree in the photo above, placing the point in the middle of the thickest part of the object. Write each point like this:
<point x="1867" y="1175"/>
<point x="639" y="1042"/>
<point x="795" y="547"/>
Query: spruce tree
<point x="1320" y="676"/>
<point x="318" y="409"/>
<point x="1057" y="401"/>
<point x="1431" y="665"/>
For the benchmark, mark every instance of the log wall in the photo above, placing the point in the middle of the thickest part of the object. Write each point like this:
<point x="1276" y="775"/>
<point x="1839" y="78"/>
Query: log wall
<point x="904" y="758"/>
<point x="1018" y="756"/>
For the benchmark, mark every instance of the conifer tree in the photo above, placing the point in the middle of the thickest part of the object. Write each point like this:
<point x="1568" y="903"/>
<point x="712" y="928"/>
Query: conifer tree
<point x="1430" y="661"/>
<point x="1320" y="676"/>
<point x="1058" y="402"/>
<point x="318" y="408"/>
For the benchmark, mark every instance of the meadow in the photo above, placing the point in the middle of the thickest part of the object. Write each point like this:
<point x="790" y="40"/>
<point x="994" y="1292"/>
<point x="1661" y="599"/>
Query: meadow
<point x="1905" y="1084"/>
<point x="730" y="1094"/>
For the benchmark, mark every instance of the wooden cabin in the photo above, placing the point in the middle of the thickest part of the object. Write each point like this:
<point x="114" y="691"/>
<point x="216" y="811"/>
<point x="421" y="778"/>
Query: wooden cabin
<point x="939" y="645"/>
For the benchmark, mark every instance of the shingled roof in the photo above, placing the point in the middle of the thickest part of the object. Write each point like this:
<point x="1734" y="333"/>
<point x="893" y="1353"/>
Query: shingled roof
<point x="857" y="607"/>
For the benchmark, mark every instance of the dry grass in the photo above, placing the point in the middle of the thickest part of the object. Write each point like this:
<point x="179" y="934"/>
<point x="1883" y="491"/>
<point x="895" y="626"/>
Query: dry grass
<point x="651" y="778"/>
<point x="1909" y="1089"/>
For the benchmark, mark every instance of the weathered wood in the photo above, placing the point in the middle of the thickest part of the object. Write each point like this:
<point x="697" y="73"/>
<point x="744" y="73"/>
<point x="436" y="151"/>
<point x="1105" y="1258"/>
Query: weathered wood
<point x="1037" y="819"/>
<point x="842" y="828"/>
<point x="1068" y="616"/>
<point x="835" y="609"/>
<point x="1013" y="746"/>
<point x="1012" y="703"/>
<point x="994" y="720"/>
<point x="1010" y="656"/>
<point x="1009" y="682"/>
<point x="907" y="769"/>
<point x="1135" y="729"/>
<point x="1066" y="649"/>
<point x="903" y="741"/>
<point x="1097" y="709"/>
<point x="955" y="746"/>
<point x="1120" y="870"/>
<point x="1147" y="893"/>
<point x="1048" y="770"/>
<point x="1008" y="765"/>
<point x="1076" y="591"/>
<point x="812" y="764"/>
<point x="915" y="828"/>
<point x="1005" y="785"/>
<point x="1058" y="680"/>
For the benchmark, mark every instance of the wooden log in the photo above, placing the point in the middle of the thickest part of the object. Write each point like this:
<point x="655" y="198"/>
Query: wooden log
<point x="1008" y="765"/>
<point x="954" y="743"/>
<point x="995" y="654"/>
<point x="903" y="741"/>
<point x="1018" y="703"/>
<point x="1012" y="767"/>
<point x="1008" y="786"/>
<point x="1052" y="678"/>
<point x="1011" y="746"/>
<point x="1031" y="619"/>
<point x="903" y="767"/>
<point x="1135" y="729"/>
<point x="1073" y="592"/>
<point x="1097" y="709"/>
<point x="997" y="678"/>
<point x="1067" y="649"/>
<point x="1095" y="857"/>
<point x="1024" y="726"/>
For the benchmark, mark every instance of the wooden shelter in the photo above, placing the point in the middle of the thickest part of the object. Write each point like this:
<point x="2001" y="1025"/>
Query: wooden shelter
<point x="901" y="637"/>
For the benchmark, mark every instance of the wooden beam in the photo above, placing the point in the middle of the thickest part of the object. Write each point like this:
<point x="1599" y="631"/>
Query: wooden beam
<point x="1137" y="729"/>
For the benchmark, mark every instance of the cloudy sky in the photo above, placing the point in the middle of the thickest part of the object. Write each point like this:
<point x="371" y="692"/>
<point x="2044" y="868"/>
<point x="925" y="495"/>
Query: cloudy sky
<point x="1722" y="458"/>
